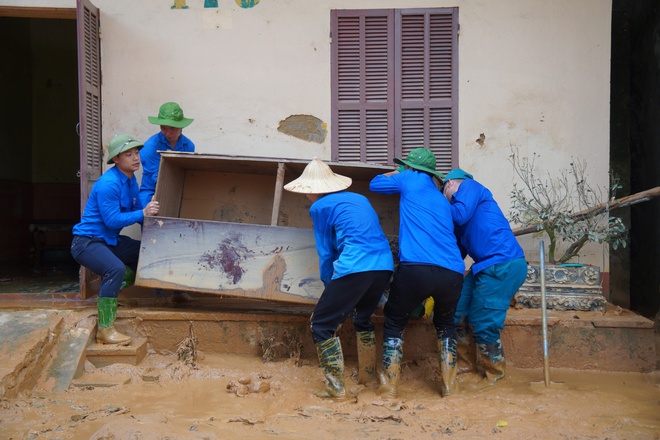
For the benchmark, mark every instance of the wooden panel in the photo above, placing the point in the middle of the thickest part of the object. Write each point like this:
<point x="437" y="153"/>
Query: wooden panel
<point x="230" y="259"/>
<point x="169" y="188"/>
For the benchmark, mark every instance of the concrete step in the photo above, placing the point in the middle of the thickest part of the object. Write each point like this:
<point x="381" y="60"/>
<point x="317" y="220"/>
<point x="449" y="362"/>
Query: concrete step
<point x="68" y="357"/>
<point x="611" y="340"/>
<point x="97" y="380"/>
<point x="102" y="355"/>
<point x="27" y="338"/>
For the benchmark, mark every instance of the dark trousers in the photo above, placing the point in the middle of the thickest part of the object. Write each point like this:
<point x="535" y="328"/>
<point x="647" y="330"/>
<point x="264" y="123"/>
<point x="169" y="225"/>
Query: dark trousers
<point x="412" y="284"/>
<point x="356" y="294"/>
<point x="108" y="261"/>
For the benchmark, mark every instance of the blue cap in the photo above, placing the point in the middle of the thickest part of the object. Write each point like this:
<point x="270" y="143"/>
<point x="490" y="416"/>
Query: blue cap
<point x="458" y="173"/>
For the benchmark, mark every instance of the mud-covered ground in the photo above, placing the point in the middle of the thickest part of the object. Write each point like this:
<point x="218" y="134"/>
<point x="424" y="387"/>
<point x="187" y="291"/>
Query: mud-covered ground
<point x="240" y="397"/>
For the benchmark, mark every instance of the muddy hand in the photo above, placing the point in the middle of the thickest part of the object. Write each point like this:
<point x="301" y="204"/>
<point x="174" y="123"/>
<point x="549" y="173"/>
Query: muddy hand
<point x="152" y="208"/>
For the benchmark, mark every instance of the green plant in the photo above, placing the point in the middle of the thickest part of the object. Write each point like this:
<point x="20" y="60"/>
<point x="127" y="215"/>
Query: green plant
<point x="562" y="207"/>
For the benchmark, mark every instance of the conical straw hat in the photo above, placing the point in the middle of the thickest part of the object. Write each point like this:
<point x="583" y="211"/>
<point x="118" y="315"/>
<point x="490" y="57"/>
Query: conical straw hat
<point x="318" y="178"/>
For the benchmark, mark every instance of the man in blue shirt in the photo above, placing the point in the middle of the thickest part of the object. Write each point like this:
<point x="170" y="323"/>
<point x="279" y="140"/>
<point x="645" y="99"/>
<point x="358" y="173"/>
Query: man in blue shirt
<point x="170" y="138"/>
<point x="97" y="244"/>
<point x="498" y="271"/>
<point x="355" y="265"/>
<point x="430" y="265"/>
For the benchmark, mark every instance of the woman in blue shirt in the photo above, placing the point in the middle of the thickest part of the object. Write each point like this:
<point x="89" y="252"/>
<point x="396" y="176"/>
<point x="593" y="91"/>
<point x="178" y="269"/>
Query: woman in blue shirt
<point x="355" y="265"/>
<point x="112" y="205"/>
<point x="430" y="265"/>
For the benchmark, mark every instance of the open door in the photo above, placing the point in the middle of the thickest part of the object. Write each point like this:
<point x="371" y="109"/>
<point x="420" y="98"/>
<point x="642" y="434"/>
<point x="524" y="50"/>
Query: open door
<point x="89" y="88"/>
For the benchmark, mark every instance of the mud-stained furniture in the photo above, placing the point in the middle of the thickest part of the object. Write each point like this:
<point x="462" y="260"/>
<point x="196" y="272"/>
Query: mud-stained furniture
<point x="227" y="227"/>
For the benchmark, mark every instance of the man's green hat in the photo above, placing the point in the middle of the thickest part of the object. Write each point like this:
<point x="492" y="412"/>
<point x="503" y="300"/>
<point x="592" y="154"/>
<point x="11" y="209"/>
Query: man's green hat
<point x="171" y="115"/>
<point x="119" y="143"/>
<point x="421" y="159"/>
<point x="458" y="173"/>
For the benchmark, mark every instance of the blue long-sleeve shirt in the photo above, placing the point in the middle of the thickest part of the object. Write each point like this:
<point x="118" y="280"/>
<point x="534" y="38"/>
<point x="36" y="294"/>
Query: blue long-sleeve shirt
<point x="481" y="227"/>
<point x="348" y="236"/>
<point x="112" y="205"/>
<point x="150" y="159"/>
<point x="426" y="232"/>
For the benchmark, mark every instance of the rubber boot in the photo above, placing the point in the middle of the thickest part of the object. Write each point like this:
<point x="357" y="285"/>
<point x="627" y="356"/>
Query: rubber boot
<point x="129" y="278"/>
<point x="466" y="351"/>
<point x="448" y="366"/>
<point x="331" y="359"/>
<point x="391" y="372"/>
<point x="106" y="332"/>
<point x="491" y="358"/>
<point x="366" y="350"/>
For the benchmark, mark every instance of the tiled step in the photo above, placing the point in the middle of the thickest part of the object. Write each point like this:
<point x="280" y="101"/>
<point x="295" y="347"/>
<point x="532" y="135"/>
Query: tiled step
<point x="68" y="357"/>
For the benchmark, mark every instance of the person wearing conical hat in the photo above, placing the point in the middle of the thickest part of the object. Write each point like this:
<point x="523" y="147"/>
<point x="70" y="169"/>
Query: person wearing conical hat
<point x="355" y="265"/>
<point x="430" y="265"/>
<point x="499" y="269"/>
<point x="113" y="204"/>
<point x="170" y="138"/>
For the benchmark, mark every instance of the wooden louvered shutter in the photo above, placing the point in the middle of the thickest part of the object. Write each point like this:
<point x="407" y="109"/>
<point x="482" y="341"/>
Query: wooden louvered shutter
<point x="89" y="89"/>
<point x="426" y="86"/>
<point x="363" y="86"/>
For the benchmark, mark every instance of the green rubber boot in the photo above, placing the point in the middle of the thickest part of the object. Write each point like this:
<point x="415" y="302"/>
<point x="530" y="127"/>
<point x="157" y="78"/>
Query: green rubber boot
<point x="448" y="366"/>
<point x="366" y="349"/>
<point x="391" y="372"/>
<point x="331" y="359"/>
<point x="129" y="278"/>
<point x="106" y="332"/>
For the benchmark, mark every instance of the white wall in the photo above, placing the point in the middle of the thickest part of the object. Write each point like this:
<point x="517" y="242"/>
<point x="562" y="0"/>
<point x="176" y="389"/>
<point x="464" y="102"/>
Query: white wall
<point x="533" y="75"/>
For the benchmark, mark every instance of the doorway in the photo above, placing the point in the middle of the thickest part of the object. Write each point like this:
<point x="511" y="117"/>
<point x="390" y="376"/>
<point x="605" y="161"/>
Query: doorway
<point x="39" y="182"/>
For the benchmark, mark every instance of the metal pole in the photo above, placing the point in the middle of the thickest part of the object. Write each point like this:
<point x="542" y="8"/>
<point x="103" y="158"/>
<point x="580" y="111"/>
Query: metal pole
<point x="546" y="363"/>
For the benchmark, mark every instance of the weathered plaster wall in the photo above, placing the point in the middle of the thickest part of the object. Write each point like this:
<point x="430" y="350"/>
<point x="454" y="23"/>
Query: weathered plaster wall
<point x="533" y="75"/>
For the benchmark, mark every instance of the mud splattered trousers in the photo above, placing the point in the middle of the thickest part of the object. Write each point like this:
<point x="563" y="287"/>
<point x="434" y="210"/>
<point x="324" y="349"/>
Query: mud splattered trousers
<point x="108" y="261"/>
<point x="486" y="296"/>
<point x="412" y="284"/>
<point x="356" y="294"/>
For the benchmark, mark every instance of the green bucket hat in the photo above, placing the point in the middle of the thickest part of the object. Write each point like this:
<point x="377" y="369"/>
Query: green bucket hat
<point x="421" y="159"/>
<point x="170" y="114"/>
<point x="119" y="143"/>
<point x="458" y="173"/>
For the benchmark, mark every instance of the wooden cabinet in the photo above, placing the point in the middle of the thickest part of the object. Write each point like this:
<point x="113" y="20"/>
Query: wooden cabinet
<point x="227" y="227"/>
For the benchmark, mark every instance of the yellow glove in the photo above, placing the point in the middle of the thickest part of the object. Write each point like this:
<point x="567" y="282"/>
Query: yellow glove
<point x="428" y="307"/>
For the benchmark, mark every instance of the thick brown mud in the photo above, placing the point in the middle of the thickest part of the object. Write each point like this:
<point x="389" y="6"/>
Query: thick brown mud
<point x="238" y="397"/>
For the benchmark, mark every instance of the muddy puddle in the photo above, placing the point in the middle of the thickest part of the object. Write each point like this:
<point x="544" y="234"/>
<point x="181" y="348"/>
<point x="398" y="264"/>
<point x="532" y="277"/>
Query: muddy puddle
<point x="240" y="397"/>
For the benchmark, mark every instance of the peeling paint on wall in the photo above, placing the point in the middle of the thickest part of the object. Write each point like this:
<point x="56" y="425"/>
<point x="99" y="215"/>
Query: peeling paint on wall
<point x="305" y="127"/>
<point x="247" y="3"/>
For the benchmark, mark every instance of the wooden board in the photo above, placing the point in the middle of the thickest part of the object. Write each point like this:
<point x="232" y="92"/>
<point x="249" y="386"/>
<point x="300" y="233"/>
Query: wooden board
<point x="230" y="259"/>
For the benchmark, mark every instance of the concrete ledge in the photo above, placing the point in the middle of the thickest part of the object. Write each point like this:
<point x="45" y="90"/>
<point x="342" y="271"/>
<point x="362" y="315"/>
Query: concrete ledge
<point x="613" y="340"/>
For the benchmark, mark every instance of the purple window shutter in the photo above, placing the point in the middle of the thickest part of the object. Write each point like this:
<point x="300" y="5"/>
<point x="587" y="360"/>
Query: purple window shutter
<point x="362" y="86"/>
<point x="426" y="99"/>
<point x="394" y="84"/>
